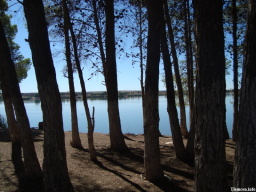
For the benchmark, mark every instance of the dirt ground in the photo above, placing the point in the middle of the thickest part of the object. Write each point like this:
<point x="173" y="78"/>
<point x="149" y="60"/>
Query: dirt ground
<point x="112" y="172"/>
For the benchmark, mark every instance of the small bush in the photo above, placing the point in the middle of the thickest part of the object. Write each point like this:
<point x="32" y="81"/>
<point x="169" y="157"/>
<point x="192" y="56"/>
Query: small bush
<point x="3" y="123"/>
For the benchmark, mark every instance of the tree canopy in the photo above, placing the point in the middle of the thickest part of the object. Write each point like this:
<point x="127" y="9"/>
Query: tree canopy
<point x="22" y="64"/>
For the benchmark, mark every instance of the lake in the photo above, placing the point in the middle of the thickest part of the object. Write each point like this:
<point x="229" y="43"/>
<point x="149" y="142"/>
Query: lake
<point x="130" y="114"/>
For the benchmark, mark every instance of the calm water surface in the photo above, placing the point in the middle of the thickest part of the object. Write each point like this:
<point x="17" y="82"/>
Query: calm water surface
<point x="130" y="114"/>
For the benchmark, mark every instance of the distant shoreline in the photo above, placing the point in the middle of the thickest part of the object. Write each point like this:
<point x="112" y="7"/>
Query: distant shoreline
<point x="34" y="96"/>
<point x="90" y="95"/>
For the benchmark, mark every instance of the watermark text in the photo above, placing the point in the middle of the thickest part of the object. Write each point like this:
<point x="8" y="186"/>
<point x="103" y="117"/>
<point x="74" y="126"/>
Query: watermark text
<point x="243" y="189"/>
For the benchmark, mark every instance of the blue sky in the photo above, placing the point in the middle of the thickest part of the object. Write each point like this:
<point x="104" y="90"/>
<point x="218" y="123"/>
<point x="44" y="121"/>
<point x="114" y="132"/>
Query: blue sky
<point x="128" y="75"/>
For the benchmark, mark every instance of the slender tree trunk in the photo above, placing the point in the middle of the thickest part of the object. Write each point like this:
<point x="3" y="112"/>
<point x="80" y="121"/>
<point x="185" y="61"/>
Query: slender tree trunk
<point x="152" y="161"/>
<point x="191" y="141"/>
<point x="210" y="120"/>
<point x="11" y="120"/>
<point x="31" y="163"/>
<point x="76" y="141"/>
<point x="141" y="56"/>
<point x="99" y="35"/>
<point x="245" y="155"/>
<point x="235" y="71"/>
<point x="183" y="125"/>
<point x="13" y="129"/>
<point x="172" y="110"/>
<point x="90" y="121"/>
<point x="141" y="60"/>
<point x="55" y="169"/>
<point x="116" y="136"/>
<point x="189" y="57"/>
<point x="190" y="82"/>
<point x="110" y="73"/>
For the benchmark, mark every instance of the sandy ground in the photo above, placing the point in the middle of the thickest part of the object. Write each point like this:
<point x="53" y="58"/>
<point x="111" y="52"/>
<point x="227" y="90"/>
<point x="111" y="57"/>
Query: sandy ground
<point x="113" y="172"/>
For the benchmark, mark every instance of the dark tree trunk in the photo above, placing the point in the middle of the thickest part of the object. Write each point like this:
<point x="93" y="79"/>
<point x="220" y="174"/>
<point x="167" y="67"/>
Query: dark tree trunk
<point x="172" y="110"/>
<point x="13" y="130"/>
<point x="90" y="121"/>
<point x="11" y="120"/>
<point x="191" y="141"/>
<point x="189" y="58"/>
<point x="245" y="154"/>
<point x="183" y="125"/>
<point x="116" y="136"/>
<point x="55" y="169"/>
<point x="190" y="82"/>
<point x="235" y="71"/>
<point x="152" y="161"/>
<point x="210" y="120"/>
<point x="31" y="163"/>
<point x="76" y="141"/>
<point x="141" y="55"/>
<point x="99" y="35"/>
<point x="109" y="68"/>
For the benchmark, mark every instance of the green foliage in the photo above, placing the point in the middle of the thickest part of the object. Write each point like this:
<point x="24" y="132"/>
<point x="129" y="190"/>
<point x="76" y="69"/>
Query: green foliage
<point x="3" y="7"/>
<point x="22" y="67"/>
<point x="22" y="64"/>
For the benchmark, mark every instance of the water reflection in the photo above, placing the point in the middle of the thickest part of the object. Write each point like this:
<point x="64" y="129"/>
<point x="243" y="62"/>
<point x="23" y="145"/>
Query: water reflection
<point x="130" y="114"/>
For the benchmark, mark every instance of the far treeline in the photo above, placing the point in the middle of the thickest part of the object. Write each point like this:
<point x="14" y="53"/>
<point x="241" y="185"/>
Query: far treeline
<point x="98" y="94"/>
<point x="198" y="42"/>
<point x="89" y="95"/>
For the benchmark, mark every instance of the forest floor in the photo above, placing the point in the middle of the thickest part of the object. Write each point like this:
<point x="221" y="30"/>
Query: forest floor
<point x="113" y="171"/>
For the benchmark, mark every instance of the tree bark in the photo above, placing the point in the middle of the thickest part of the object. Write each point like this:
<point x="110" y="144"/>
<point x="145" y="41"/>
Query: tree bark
<point x="14" y="130"/>
<point x="99" y="35"/>
<point x="76" y="141"/>
<point x="55" y="169"/>
<point x="189" y="58"/>
<point x="172" y="110"/>
<point x="183" y="124"/>
<point x="116" y="136"/>
<point x="190" y="82"/>
<point x="210" y="120"/>
<point x="245" y="155"/>
<point x="31" y="163"/>
<point x="152" y="163"/>
<point x="90" y="121"/>
<point x="235" y="71"/>
<point x="11" y="120"/>
<point x="141" y="54"/>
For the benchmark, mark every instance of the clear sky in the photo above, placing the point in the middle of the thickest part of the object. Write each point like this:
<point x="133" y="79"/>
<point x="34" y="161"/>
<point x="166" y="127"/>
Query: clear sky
<point x="128" y="75"/>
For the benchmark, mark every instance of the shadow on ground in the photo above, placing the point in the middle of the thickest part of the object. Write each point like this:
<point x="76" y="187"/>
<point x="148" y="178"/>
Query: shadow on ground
<point x="23" y="183"/>
<point x="37" y="135"/>
<point x="114" y="171"/>
<point x="126" y="165"/>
